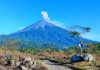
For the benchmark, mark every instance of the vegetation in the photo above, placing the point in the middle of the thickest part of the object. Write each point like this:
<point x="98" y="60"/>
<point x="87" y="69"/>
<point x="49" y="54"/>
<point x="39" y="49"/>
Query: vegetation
<point x="51" y="52"/>
<point x="94" y="48"/>
<point x="79" y="31"/>
<point x="60" y="56"/>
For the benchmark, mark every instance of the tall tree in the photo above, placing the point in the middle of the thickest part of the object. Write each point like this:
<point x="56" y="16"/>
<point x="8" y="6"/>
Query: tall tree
<point x="78" y="31"/>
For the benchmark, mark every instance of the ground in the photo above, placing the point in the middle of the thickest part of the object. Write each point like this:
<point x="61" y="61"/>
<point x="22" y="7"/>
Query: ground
<point x="60" y="60"/>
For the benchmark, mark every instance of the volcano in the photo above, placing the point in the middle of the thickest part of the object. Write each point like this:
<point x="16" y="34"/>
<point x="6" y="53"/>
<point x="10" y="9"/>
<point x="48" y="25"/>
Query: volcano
<point x="44" y="32"/>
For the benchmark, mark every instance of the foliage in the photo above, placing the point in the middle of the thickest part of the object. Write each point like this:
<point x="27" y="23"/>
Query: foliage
<point x="79" y="30"/>
<point x="92" y="48"/>
<point x="96" y="49"/>
<point x="73" y="50"/>
<point x="35" y="50"/>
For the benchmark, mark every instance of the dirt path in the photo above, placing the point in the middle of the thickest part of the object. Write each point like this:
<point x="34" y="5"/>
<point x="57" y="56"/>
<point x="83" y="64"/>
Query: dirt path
<point x="53" y="66"/>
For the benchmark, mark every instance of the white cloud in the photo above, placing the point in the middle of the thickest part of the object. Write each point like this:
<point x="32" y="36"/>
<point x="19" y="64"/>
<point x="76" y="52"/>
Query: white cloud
<point x="45" y="15"/>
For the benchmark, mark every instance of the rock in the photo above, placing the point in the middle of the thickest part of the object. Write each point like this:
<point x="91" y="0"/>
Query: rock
<point x="33" y="65"/>
<point x="28" y="59"/>
<point x="7" y="63"/>
<point x="31" y="62"/>
<point x="28" y="62"/>
<point x="12" y="62"/>
<point x="24" y="68"/>
<point x="18" y="68"/>
<point x="88" y="57"/>
<point x="17" y="63"/>
<point x="24" y="63"/>
<point x="7" y="57"/>
<point x="21" y="59"/>
<point x="2" y="68"/>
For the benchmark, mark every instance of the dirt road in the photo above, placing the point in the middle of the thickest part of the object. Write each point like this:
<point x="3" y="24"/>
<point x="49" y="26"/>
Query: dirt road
<point x="53" y="66"/>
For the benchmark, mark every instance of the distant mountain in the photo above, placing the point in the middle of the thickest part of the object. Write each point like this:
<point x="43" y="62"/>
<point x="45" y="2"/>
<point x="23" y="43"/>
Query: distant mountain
<point x="44" y="32"/>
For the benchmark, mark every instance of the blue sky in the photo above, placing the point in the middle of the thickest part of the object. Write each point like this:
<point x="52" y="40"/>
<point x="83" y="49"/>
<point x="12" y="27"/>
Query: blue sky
<point x="16" y="14"/>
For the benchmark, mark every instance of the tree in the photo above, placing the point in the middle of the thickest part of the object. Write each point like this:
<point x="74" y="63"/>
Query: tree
<point x="78" y="31"/>
<point x="8" y="43"/>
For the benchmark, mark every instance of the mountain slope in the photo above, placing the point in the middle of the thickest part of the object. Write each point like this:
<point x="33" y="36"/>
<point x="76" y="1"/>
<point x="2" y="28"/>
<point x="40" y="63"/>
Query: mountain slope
<point x="45" y="32"/>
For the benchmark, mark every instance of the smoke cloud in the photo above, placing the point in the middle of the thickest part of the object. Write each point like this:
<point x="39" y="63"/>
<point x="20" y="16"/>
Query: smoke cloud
<point x="58" y="23"/>
<point x="45" y="15"/>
